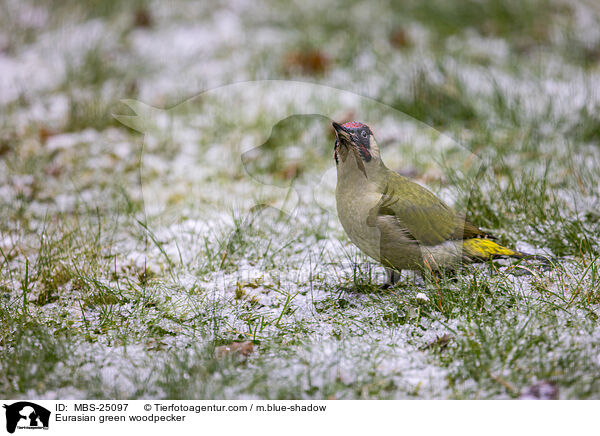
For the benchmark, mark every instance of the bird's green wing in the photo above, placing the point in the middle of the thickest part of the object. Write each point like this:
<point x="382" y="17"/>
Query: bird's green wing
<point x="420" y="215"/>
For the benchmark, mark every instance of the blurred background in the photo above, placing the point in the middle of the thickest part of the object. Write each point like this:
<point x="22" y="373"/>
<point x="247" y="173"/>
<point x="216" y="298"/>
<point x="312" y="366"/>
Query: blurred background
<point x="462" y="63"/>
<point x="84" y="275"/>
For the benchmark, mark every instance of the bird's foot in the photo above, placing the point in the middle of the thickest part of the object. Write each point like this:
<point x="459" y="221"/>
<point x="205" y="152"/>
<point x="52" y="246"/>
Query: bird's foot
<point x="392" y="278"/>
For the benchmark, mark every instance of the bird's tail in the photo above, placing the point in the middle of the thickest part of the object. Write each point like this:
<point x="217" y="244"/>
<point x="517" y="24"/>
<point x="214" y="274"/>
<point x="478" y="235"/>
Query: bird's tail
<point x="486" y="249"/>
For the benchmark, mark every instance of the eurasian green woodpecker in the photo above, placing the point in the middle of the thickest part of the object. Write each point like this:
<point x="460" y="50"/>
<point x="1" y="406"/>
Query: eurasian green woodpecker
<point x="396" y="221"/>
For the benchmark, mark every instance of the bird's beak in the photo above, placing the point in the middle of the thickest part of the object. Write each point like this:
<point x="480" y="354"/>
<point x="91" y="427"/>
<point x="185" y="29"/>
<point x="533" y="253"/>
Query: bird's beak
<point x="341" y="132"/>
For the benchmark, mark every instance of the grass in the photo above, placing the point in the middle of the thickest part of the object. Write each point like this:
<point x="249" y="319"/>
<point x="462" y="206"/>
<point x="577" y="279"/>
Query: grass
<point x="110" y="297"/>
<point x="496" y="18"/>
<point x="437" y="105"/>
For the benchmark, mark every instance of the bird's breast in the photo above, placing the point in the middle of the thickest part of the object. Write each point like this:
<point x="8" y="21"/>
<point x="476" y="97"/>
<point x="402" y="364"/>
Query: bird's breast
<point x="355" y="205"/>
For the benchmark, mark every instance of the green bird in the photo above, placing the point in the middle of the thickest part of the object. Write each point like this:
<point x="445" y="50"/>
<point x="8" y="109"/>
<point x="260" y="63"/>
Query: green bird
<point x="396" y="221"/>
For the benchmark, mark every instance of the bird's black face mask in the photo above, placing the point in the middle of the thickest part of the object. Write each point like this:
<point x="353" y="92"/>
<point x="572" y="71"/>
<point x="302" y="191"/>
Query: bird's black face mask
<point x="357" y="135"/>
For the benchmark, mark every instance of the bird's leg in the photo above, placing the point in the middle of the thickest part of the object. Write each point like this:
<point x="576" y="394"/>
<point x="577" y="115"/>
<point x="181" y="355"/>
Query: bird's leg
<point x="420" y="279"/>
<point x="393" y="275"/>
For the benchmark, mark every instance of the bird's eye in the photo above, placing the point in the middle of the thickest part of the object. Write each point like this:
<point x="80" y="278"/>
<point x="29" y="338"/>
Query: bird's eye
<point x="364" y="133"/>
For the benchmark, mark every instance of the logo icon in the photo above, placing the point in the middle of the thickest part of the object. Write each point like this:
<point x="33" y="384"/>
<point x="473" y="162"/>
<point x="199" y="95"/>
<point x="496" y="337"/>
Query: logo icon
<point x="26" y="415"/>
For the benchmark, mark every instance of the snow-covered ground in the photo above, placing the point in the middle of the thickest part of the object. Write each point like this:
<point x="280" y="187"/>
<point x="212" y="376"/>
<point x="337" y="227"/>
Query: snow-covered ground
<point x="136" y="141"/>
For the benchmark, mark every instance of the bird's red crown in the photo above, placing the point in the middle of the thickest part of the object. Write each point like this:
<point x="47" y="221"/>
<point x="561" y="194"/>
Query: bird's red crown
<point x="353" y="125"/>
